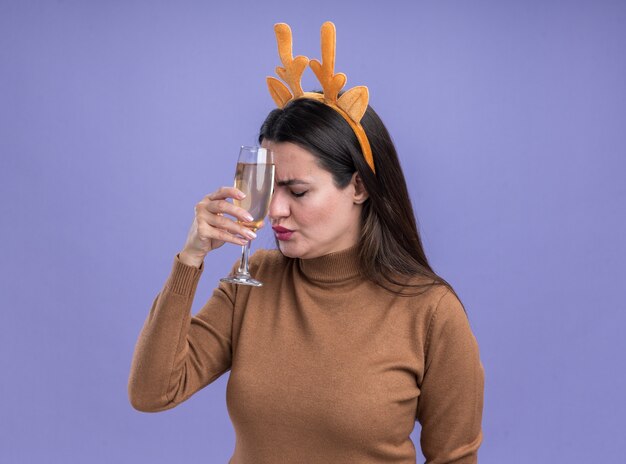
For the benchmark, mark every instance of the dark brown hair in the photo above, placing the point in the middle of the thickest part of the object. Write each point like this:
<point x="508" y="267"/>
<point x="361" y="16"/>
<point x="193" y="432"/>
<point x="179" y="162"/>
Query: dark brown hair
<point x="391" y="251"/>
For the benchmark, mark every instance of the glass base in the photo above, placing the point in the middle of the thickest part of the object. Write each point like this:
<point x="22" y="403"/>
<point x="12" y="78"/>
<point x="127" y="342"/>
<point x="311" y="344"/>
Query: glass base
<point x="242" y="279"/>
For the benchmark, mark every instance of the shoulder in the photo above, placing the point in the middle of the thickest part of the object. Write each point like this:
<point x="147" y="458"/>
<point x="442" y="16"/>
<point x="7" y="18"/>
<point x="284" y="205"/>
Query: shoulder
<point x="437" y="299"/>
<point x="448" y="322"/>
<point x="447" y="304"/>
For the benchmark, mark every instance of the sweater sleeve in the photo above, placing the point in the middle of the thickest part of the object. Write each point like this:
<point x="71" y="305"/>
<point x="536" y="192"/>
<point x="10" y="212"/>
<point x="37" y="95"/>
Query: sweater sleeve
<point x="177" y="354"/>
<point x="451" y="399"/>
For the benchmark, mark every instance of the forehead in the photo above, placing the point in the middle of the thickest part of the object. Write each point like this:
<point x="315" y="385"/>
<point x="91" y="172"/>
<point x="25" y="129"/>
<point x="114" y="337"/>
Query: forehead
<point x="294" y="162"/>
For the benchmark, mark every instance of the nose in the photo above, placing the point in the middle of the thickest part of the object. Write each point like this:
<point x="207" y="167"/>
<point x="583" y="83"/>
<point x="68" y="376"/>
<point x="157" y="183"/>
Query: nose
<point x="279" y="205"/>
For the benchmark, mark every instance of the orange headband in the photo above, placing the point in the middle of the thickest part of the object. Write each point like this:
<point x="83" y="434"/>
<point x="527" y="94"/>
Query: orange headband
<point x="352" y="103"/>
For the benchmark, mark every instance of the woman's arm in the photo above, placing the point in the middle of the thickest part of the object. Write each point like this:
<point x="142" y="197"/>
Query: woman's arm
<point x="451" y="399"/>
<point x="177" y="354"/>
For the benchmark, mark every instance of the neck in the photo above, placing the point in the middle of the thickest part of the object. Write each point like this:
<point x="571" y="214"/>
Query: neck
<point x="333" y="267"/>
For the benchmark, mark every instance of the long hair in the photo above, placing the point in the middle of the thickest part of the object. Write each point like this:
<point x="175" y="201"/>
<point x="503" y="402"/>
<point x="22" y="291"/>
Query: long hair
<point x="390" y="249"/>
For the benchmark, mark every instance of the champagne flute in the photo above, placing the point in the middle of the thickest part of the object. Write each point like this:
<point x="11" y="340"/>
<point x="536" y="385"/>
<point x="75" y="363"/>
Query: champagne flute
<point x="254" y="176"/>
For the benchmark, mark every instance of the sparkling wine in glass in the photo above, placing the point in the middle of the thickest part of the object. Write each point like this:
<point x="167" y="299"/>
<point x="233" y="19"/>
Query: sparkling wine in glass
<point x="254" y="176"/>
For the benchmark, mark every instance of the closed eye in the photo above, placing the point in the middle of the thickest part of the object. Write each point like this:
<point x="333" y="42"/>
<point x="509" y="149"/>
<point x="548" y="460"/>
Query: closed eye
<point x="298" y="194"/>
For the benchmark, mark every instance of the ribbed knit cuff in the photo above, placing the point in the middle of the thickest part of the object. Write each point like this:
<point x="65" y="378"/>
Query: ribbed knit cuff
<point x="183" y="279"/>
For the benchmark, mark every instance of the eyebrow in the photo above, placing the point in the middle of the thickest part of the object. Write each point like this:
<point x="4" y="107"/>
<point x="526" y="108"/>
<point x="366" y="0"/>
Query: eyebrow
<point x="289" y="182"/>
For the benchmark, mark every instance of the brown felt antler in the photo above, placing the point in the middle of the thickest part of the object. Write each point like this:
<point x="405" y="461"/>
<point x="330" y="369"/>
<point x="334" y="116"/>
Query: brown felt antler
<point x="351" y="105"/>
<point x="325" y="71"/>
<point x="292" y="71"/>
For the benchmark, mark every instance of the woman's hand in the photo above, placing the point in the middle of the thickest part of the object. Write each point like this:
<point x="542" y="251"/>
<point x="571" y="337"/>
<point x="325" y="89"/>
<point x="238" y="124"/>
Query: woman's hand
<point x="210" y="228"/>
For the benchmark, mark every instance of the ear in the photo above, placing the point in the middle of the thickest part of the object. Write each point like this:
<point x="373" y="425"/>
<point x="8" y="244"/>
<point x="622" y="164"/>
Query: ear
<point x="360" y="194"/>
<point x="279" y="92"/>
<point x="354" y="102"/>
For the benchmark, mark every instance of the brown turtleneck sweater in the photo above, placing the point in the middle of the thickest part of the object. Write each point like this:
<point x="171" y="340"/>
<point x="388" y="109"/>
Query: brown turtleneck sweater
<point x="325" y="366"/>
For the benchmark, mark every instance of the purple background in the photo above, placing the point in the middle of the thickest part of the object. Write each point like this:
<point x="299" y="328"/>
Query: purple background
<point x="117" y="117"/>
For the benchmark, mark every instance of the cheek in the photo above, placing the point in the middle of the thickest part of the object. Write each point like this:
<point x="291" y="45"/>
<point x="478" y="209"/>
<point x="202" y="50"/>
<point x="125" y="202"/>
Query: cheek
<point x="319" y="212"/>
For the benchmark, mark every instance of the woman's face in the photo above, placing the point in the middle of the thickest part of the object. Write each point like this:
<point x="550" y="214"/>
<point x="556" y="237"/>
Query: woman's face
<point x="310" y="216"/>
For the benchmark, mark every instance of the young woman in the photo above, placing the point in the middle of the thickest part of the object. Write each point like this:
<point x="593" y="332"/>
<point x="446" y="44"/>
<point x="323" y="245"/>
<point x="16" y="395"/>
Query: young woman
<point x="351" y="339"/>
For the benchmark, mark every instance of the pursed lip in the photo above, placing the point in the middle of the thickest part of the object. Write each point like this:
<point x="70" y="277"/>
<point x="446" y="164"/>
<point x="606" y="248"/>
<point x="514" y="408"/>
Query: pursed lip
<point x="282" y="233"/>
<point x="281" y="230"/>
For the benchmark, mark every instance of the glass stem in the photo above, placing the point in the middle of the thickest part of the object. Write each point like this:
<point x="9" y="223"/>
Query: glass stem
<point x="243" y="266"/>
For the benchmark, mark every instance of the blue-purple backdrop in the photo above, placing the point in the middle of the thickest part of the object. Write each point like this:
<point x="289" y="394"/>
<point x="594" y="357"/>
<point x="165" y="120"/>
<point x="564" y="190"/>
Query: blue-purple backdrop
<point x="117" y="117"/>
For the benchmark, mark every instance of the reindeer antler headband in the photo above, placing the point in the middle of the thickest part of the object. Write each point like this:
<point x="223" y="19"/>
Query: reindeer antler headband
<point x="352" y="103"/>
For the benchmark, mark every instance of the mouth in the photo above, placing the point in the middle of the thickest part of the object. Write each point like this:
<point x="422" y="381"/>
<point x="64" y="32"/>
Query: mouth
<point x="282" y="233"/>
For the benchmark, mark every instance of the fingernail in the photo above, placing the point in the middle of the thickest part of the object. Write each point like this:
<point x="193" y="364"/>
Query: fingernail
<point x="249" y="218"/>
<point x="250" y="234"/>
<point x="242" y="195"/>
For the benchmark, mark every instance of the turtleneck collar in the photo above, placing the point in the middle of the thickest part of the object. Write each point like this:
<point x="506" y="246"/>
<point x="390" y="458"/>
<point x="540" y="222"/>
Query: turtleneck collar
<point x="333" y="267"/>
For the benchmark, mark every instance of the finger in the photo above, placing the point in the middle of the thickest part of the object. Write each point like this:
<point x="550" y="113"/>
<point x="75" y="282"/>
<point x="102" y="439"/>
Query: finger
<point x="221" y="207"/>
<point x="225" y="192"/>
<point x="224" y="223"/>
<point x="222" y="193"/>
<point x="210" y="233"/>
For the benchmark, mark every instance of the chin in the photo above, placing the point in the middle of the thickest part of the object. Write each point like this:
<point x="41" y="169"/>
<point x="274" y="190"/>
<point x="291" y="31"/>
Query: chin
<point x="288" y="251"/>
